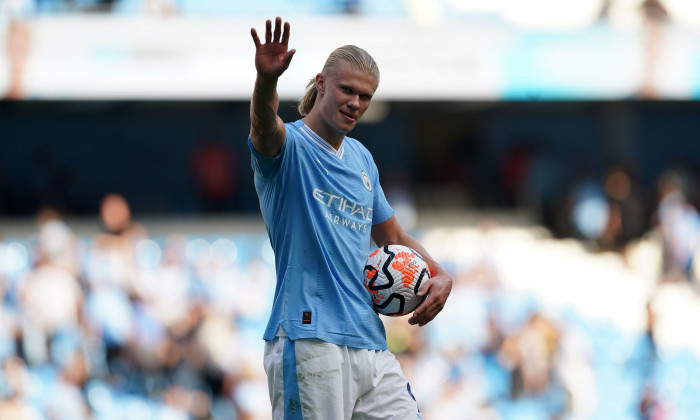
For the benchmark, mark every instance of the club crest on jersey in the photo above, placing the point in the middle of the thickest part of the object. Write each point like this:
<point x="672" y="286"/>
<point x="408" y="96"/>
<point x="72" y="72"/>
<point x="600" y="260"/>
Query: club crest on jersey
<point x="365" y="180"/>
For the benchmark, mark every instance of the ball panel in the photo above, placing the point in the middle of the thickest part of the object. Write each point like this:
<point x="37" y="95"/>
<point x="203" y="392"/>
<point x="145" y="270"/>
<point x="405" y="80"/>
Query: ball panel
<point x="393" y="275"/>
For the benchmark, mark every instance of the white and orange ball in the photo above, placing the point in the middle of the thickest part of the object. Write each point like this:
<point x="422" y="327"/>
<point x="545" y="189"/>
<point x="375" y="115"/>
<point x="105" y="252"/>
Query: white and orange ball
<point x="393" y="274"/>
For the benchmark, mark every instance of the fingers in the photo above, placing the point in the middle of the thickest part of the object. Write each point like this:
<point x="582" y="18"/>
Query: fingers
<point x="423" y="289"/>
<point x="425" y="313"/>
<point x="418" y="316"/>
<point x="285" y="34"/>
<point x="280" y="33"/>
<point x="428" y="313"/>
<point x="278" y="29"/>
<point x="256" y="40"/>
<point x="436" y="290"/>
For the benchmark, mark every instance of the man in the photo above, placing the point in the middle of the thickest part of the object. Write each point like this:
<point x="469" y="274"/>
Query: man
<point x="326" y="355"/>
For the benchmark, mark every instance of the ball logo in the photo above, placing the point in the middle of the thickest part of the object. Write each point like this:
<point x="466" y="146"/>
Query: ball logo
<point x="365" y="180"/>
<point x="393" y="275"/>
<point x="405" y="263"/>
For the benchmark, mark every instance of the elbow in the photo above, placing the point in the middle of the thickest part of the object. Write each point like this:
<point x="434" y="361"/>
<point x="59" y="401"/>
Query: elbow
<point x="259" y="130"/>
<point x="381" y="241"/>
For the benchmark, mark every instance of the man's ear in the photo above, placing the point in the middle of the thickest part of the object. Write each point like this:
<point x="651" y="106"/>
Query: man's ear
<point x="320" y="83"/>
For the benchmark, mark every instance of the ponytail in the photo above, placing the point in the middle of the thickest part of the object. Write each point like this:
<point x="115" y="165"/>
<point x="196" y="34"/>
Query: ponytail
<point x="307" y="102"/>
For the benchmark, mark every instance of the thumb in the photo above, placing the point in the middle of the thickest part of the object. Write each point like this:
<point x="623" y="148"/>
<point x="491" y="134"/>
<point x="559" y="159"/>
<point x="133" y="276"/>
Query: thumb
<point x="423" y="289"/>
<point x="288" y="58"/>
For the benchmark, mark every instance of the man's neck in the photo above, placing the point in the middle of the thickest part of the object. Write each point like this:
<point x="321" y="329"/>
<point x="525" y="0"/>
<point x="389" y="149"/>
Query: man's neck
<point x="334" y="138"/>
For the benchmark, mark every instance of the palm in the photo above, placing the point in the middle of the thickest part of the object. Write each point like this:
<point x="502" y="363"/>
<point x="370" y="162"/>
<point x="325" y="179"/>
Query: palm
<point x="269" y="59"/>
<point x="273" y="57"/>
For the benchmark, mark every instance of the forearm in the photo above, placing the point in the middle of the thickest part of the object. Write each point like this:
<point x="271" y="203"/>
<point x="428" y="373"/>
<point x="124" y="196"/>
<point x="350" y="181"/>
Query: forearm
<point x="390" y="232"/>
<point x="266" y="127"/>
<point x="411" y="242"/>
<point x="436" y="289"/>
<point x="263" y="107"/>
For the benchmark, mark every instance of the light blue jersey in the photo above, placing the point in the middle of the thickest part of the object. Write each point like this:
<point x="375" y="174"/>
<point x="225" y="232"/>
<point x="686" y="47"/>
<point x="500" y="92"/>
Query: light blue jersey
<point x="319" y="206"/>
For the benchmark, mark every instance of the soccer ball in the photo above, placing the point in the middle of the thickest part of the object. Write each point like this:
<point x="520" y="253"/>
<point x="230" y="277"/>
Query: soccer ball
<point x="393" y="275"/>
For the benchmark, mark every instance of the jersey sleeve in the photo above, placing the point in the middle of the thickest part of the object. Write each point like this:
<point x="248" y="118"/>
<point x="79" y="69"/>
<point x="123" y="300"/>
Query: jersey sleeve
<point x="382" y="211"/>
<point x="266" y="167"/>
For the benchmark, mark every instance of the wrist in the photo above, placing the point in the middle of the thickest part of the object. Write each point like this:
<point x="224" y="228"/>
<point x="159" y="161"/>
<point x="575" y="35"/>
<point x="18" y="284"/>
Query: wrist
<point x="267" y="79"/>
<point x="434" y="268"/>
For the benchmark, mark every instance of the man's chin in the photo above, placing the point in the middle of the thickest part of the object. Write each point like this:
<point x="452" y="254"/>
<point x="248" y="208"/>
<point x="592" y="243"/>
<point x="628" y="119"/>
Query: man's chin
<point x="346" y="126"/>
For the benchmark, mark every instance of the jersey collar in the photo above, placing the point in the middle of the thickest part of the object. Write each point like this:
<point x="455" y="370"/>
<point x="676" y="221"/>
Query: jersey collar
<point x="315" y="138"/>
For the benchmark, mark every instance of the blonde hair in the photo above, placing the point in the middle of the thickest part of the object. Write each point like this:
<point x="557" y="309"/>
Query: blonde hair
<point x="349" y="54"/>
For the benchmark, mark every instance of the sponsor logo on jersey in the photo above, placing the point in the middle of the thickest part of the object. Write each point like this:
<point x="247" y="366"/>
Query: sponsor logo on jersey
<point x="344" y="212"/>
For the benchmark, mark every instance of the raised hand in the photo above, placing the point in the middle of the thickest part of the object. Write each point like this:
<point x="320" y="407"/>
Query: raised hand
<point x="273" y="57"/>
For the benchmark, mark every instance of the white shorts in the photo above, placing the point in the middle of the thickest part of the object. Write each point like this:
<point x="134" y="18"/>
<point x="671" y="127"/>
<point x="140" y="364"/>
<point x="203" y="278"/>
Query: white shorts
<point x="311" y="379"/>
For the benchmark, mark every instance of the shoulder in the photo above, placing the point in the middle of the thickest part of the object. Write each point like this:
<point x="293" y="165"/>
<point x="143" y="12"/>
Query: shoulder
<point x="293" y="128"/>
<point x="360" y="152"/>
<point x="356" y="145"/>
<point x="292" y="133"/>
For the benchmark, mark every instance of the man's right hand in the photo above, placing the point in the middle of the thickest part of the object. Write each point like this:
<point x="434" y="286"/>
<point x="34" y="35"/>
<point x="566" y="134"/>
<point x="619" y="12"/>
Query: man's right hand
<point x="273" y="57"/>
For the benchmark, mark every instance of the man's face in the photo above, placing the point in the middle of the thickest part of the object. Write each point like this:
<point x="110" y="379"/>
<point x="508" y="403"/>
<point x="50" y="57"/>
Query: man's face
<point x="345" y="93"/>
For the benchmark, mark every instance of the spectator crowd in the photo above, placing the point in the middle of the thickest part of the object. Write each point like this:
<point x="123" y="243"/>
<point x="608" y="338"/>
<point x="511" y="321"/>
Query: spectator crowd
<point x="124" y="325"/>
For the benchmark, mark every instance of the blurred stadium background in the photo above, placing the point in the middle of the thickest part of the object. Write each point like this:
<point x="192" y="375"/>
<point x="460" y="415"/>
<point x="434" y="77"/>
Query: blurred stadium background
<point x="546" y="152"/>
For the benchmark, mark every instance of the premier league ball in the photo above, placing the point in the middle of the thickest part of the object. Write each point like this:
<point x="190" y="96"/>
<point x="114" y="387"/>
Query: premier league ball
<point x="393" y="275"/>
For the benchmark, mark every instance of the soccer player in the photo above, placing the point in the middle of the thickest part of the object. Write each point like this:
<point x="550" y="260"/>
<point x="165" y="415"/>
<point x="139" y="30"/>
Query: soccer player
<point x="326" y="356"/>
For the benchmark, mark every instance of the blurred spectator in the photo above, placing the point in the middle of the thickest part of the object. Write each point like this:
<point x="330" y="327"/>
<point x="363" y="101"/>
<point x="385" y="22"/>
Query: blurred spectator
<point x="161" y="7"/>
<point x="628" y="216"/>
<point x="515" y="169"/>
<point x="604" y="9"/>
<point x="589" y="210"/>
<point x="651" y="407"/>
<point x="608" y="213"/>
<point x="213" y="165"/>
<point x="530" y="176"/>
<point x="351" y="6"/>
<point x="15" y="381"/>
<point x="575" y="368"/>
<point x="102" y="6"/>
<point x="18" y="41"/>
<point x="529" y="353"/>
<point x="50" y="294"/>
<point x="51" y="297"/>
<point x="56" y="243"/>
<point x="655" y="17"/>
<point x="164" y="289"/>
<point x="115" y="214"/>
<point x="64" y="400"/>
<point x="678" y="222"/>
<point x="111" y="279"/>
<point x="112" y="253"/>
